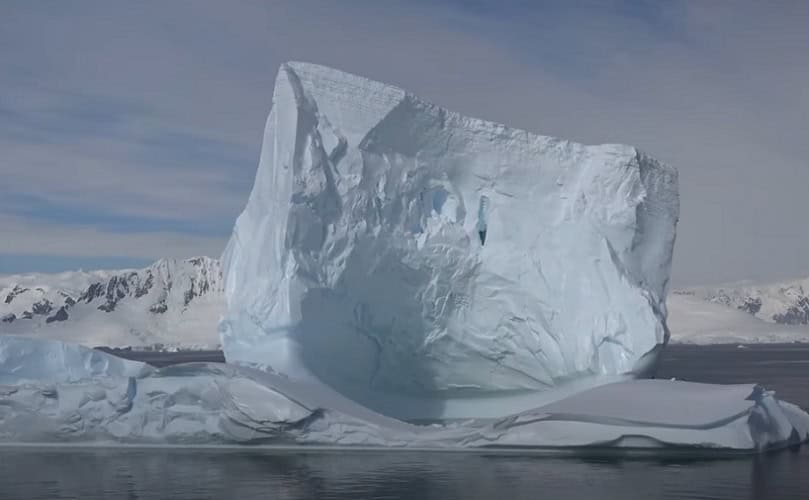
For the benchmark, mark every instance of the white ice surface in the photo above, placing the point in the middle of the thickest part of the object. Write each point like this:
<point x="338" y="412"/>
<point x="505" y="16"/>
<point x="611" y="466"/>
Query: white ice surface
<point x="207" y="404"/>
<point x="358" y="260"/>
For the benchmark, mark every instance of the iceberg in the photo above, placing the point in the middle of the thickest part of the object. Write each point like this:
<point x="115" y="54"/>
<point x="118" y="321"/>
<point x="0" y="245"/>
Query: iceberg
<point x="220" y="404"/>
<point x="431" y="265"/>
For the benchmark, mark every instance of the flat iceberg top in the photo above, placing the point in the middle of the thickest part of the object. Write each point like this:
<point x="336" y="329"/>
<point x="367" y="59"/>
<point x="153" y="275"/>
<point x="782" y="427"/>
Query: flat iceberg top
<point x="397" y="250"/>
<point x="354" y="103"/>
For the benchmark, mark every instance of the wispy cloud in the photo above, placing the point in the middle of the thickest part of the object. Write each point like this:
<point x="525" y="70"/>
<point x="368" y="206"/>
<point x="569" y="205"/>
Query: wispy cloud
<point x="25" y="237"/>
<point x="130" y="117"/>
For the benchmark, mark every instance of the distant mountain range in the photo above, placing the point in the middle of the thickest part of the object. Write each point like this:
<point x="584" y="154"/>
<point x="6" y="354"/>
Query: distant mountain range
<point x="785" y="303"/>
<point x="172" y="303"/>
<point x="177" y="304"/>
<point x="694" y="320"/>
<point x="743" y="312"/>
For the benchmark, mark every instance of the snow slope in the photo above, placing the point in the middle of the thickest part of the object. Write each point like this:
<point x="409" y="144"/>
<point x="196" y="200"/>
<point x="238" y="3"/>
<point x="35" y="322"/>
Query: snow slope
<point x="391" y="247"/>
<point x="783" y="303"/>
<point x="694" y="320"/>
<point x="172" y="302"/>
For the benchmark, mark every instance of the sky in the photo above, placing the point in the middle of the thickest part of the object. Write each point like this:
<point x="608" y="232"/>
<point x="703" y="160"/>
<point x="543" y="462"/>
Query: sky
<point x="130" y="131"/>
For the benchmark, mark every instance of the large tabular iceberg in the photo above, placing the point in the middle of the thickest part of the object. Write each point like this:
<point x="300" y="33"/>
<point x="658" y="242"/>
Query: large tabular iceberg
<point x="424" y="263"/>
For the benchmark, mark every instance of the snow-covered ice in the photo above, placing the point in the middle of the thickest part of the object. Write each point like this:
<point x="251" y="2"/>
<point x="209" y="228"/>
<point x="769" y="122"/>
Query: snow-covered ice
<point x="412" y="257"/>
<point x="208" y="404"/>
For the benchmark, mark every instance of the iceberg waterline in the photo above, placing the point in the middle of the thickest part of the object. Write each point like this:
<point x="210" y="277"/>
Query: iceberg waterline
<point x="399" y="260"/>
<point x="121" y="401"/>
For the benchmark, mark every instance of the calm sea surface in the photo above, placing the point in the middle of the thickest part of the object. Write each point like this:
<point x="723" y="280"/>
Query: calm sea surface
<point x="180" y="474"/>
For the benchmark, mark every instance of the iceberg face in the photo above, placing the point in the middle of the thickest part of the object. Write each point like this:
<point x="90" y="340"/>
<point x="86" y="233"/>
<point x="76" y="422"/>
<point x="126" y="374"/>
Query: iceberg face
<point x="411" y="257"/>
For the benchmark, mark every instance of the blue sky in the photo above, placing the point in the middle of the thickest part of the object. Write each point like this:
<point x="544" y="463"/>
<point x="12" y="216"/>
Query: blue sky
<point x="131" y="131"/>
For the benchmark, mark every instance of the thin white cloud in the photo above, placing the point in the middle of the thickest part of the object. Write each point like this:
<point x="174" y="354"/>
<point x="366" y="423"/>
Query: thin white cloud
<point x="101" y="174"/>
<point x="25" y="237"/>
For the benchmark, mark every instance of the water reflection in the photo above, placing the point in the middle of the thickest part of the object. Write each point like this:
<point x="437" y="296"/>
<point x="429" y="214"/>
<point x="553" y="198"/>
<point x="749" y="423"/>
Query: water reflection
<point x="185" y="474"/>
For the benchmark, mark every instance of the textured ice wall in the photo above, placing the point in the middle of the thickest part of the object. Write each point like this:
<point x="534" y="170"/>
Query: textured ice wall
<point x="397" y="250"/>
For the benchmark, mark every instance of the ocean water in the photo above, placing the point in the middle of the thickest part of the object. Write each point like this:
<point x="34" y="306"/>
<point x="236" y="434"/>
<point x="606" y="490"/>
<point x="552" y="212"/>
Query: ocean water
<point x="179" y="474"/>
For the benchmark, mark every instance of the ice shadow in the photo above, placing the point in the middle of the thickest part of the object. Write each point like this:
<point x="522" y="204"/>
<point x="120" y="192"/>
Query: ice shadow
<point x="364" y="336"/>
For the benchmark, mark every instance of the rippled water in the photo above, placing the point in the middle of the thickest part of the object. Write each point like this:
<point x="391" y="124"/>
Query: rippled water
<point x="179" y="474"/>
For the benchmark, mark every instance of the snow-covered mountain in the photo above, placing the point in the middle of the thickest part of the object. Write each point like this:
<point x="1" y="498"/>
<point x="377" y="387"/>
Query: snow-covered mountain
<point x="743" y="312"/>
<point x="784" y="303"/>
<point x="693" y="319"/>
<point x="176" y="303"/>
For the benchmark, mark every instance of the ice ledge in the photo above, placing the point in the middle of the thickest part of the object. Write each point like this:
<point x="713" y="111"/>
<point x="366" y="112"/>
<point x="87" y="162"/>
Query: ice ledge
<point x="209" y="404"/>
